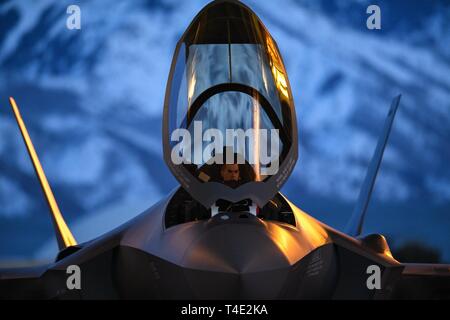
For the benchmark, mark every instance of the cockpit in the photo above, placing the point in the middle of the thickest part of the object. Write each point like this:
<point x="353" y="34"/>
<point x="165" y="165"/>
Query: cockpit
<point x="229" y="128"/>
<point x="182" y="208"/>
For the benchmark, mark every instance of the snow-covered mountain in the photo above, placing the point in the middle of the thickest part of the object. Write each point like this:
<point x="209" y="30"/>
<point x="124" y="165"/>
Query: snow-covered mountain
<point x="92" y="100"/>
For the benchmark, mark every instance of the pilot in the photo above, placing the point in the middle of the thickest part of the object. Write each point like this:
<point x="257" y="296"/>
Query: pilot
<point x="230" y="174"/>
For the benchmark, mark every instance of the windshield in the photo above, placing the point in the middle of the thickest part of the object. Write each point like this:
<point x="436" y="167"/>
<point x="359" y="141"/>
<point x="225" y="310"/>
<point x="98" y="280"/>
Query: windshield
<point x="228" y="112"/>
<point x="208" y="65"/>
<point x="232" y="129"/>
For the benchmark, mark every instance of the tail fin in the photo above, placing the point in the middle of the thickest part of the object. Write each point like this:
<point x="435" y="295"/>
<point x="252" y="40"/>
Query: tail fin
<point x="355" y="224"/>
<point x="63" y="235"/>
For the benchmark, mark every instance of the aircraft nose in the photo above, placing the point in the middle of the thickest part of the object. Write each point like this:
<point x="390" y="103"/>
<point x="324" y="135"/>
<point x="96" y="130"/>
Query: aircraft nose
<point x="236" y="258"/>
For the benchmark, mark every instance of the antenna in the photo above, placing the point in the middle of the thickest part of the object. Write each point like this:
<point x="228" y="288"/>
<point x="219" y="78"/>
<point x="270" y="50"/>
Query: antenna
<point x="355" y="224"/>
<point x="64" y="237"/>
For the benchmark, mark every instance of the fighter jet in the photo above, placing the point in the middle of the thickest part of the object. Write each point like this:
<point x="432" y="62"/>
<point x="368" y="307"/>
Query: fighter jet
<point x="230" y="139"/>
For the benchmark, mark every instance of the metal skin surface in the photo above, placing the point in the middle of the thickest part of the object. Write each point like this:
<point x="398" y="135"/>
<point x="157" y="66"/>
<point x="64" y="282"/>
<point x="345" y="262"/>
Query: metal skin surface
<point x="238" y="258"/>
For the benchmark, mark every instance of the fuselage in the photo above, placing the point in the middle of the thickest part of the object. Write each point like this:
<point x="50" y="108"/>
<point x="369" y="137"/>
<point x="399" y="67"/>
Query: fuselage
<point x="229" y="256"/>
<point x="232" y="255"/>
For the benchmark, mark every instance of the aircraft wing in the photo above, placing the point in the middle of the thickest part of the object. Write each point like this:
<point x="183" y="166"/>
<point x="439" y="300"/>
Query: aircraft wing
<point x="21" y="283"/>
<point x="94" y="259"/>
<point x="423" y="281"/>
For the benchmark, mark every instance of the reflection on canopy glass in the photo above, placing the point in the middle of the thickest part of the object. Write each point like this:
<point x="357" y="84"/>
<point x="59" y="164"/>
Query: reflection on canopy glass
<point x="230" y="109"/>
